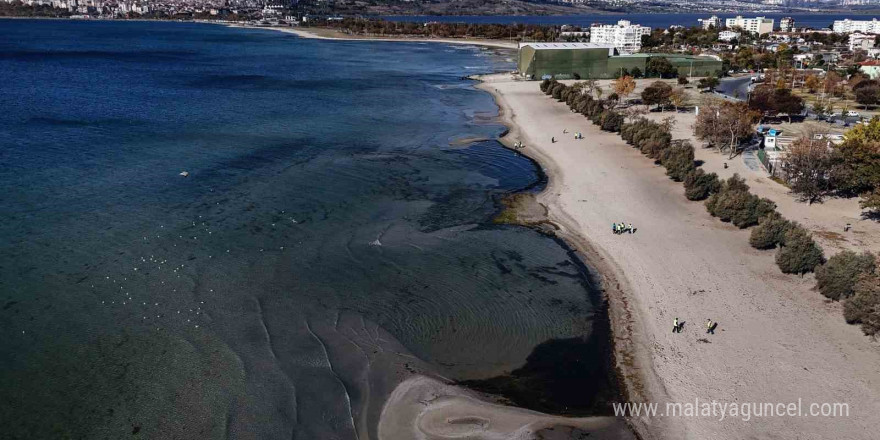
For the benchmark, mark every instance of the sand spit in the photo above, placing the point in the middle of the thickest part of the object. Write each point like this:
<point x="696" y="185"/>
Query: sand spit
<point x="777" y="341"/>
<point x="424" y="408"/>
<point x="330" y="34"/>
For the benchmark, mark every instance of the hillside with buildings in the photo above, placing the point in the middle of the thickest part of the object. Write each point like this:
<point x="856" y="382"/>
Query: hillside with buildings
<point x="259" y="9"/>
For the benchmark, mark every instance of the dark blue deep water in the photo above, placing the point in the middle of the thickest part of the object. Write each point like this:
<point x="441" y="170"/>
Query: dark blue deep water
<point x="333" y="236"/>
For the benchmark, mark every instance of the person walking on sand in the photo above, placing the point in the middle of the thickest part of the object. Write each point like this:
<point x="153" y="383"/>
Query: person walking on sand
<point x="630" y="228"/>
<point x="552" y="140"/>
<point x="710" y="326"/>
<point x="676" y="327"/>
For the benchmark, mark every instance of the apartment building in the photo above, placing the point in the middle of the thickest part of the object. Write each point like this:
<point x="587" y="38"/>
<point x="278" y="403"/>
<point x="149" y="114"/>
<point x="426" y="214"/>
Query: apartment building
<point x="859" y="41"/>
<point x="849" y="26"/>
<point x="728" y="35"/>
<point x="757" y="25"/>
<point x="712" y="21"/>
<point x="786" y="24"/>
<point x="624" y="36"/>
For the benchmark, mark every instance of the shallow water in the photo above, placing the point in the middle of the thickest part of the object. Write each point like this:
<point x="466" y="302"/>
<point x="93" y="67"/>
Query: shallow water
<point x="329" y="241"/>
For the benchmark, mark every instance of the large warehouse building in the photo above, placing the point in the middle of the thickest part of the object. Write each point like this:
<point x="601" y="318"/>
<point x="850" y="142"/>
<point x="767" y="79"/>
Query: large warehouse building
<point x="599" y="61"/>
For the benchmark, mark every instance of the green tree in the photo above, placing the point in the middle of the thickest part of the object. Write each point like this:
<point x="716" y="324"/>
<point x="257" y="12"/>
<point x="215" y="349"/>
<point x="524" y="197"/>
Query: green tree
<point x="773" y="101"/>
<point x="819" y="109"/>
<point x="698" y="185"/>
<point x="770" y="231"/>
<point x="657" y="93"/>
<point x="837" y="278"/>
<point x="871" y="201"/>
<point x="864" y="306"/>
<point x="788" y="103"/>
<point x="709" y="82"/>
<point x="735" y="204"/>
<point x="660" y="66"/>
<point x="867" y="95"/>
<point x="678" y="160"/>
<point x="557" y="90"/>
<point x="611" y="121"/>
<point x="855" y="168"/>
<point x="799" y="253"/>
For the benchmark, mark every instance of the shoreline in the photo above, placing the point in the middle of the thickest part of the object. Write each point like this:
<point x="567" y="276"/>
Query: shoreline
<point x="627" y="362"/>
<point x="633" y="370"/>
<point x="778" y="340"/>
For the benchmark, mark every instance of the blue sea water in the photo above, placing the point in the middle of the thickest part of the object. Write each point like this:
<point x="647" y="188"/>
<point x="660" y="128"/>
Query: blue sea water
<point x="815" y="21"/>
<point x="332" y="239"/>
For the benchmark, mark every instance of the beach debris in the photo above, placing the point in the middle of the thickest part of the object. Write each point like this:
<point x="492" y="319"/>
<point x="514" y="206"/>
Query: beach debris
<point x="184" y="173"/>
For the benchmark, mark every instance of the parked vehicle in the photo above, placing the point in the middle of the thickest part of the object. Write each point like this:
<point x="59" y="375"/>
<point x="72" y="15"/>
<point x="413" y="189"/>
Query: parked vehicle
<point x="853" y="114"/>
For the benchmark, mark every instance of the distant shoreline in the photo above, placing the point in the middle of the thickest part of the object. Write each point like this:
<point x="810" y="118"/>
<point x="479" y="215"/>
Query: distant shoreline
<point x="330" y="34"/>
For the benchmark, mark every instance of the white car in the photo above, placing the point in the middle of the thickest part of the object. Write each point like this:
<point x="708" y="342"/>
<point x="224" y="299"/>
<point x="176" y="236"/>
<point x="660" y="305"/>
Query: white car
<point x="853" y="114"/>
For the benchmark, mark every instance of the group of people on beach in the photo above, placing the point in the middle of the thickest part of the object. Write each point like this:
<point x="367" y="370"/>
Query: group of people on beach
<point x="577" y="135"/>
<point x="621" y="228"/>
<point x="710" y="326"/>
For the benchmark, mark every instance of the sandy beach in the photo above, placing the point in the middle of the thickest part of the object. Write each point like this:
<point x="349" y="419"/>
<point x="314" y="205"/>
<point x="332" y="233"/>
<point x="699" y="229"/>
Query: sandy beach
<point x="778" y="341"/>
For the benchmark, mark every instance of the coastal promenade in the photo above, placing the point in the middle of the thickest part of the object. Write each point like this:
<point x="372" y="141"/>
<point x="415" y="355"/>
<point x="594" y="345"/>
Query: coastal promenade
<point x="777" y="341"/>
